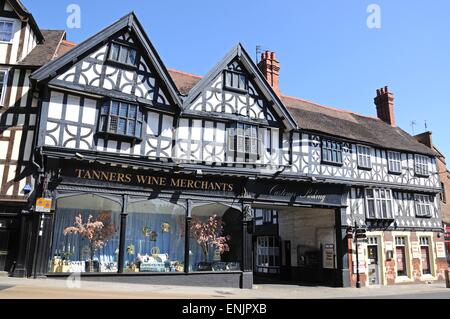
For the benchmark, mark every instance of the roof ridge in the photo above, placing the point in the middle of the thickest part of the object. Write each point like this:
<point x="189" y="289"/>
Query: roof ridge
<point x="61" y="39"/>
<point x="185" y="73"/>
<point x="327" y="107"/>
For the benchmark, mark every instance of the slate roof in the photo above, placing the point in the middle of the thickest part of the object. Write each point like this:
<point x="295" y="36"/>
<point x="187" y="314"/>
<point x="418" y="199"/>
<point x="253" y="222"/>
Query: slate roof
<point x="326" y="120"/>
<point x="47" y="51"/>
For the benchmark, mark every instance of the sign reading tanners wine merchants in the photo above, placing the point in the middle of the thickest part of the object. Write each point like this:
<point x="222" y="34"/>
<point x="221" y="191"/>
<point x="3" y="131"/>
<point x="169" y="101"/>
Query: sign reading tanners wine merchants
<point x="144" y="179"/>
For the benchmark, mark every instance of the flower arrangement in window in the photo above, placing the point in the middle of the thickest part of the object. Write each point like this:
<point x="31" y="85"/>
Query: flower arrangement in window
<point x="98" y="231"/>
<point x="208" y="233"/>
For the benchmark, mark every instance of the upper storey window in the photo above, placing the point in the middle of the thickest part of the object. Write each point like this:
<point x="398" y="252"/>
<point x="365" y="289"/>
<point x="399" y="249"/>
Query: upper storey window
<point x="235" y="81"/>
<point x="122" y="54"/>
<point x="421" y="165"/>
<point x="423" y="205"/>
<point x="3" y="75"/>
<point x="331" y="152"/>
<point x="6" y="30"/>
<point x="394" y="162"/>
<point x="243" y="140"/>
<point x="364" y="157"/>
<point x="379" y="204"/>
<point x="121" y="119"/>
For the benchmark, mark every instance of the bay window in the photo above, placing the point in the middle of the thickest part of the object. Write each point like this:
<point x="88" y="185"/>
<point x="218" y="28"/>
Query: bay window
<point x="379" y="204"/>
<point x="122" y="119"/>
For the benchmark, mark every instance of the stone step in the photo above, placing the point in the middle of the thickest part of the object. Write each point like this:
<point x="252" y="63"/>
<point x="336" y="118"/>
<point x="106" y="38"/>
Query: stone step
<point x="3" y="274"/>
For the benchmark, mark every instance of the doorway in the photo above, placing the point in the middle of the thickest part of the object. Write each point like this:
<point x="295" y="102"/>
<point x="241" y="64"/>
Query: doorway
<point x="425" y="255"/>
<point x="373" y="250"/>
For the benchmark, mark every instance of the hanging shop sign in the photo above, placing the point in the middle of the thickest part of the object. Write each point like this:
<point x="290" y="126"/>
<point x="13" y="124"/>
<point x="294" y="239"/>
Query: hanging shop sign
<point x="43" y="205"/>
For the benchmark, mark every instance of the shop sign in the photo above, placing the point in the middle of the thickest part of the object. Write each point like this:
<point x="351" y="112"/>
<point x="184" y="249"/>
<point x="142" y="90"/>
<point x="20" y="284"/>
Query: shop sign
<point x="389" y="245"/>
<point x="328" y="256"/>
<point x="294" y="192"/>
<point x="43" y="205"/>
<point x="361" y="268"/>
<point x="440" y="250"/>
<point x="415" y="250"/>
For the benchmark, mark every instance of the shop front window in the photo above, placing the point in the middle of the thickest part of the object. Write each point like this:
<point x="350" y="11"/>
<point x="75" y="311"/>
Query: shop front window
<point x="155" y="237"/>
<point x="86" y="234"/>
<point x="215" y="238"/>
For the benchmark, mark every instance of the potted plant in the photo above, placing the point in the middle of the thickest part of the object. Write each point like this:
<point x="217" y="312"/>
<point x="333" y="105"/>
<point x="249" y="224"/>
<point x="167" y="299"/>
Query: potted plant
<point x="208" y="233"/>
<point x="97" y="231"/>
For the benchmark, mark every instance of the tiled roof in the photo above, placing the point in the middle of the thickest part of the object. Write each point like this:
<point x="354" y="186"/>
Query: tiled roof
<point x="47" y="51"/>
<point x="318" y="118"/>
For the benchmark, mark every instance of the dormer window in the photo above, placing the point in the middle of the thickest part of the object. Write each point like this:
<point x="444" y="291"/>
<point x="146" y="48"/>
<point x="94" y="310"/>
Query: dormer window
<point x="235" y="81"/>
<point x="121" y="119"/>
<point x="122" y="54"/>
<point x="6" y="30"/>
<point x="421" y="165"/>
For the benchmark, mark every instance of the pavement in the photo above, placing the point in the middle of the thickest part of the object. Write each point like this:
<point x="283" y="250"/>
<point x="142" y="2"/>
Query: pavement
<point x="23" y="288"/>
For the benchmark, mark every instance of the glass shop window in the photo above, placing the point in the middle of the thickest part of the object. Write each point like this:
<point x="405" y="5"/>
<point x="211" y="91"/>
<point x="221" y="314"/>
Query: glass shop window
<point x="86" y="235"/>
<point x="215" y="238"/>
<point x="155" y="237"/>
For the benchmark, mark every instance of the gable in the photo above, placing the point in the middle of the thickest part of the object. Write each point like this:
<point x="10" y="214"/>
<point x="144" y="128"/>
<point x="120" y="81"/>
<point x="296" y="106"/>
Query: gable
<point x="89" y="68"/>
<point x="98" y="72"/>
<point x="215" y="97"/>
<point x="255" y="100"/>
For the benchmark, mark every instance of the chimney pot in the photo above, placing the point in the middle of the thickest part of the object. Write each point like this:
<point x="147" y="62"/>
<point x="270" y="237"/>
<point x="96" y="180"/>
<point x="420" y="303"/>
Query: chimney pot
<point x="384" y="102"/>
<point x="270" y="68"/>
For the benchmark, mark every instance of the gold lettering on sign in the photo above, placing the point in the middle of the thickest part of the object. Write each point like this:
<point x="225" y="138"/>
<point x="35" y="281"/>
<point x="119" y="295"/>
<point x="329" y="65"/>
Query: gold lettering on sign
<point x="153" y="180"/>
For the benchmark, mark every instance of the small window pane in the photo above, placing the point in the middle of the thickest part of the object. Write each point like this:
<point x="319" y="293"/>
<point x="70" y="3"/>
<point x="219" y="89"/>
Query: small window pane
<point x="113" y="124"/>
<point x="131" y="127"/>
<point x="123" y="109"/>
<point x="122" y="126"/>
<point x="123" y="54"/>
<point x="114" y="55"/>
<point x="132" y="112"/>
<point x="138" y="129"/>
<point x="131" y="56"/>
<point x="114" y="108"/>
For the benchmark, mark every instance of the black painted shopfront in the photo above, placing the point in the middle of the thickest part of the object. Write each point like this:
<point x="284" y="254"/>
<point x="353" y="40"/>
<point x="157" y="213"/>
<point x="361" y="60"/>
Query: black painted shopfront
<point x="147" y="226"/>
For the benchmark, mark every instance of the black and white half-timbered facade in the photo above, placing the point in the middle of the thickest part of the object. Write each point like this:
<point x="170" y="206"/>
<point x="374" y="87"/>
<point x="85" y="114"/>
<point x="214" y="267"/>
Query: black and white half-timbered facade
<point x="152" y="175"/>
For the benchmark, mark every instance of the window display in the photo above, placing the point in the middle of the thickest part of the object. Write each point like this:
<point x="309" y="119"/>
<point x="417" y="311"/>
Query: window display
<point x="155" y="238"/>
<point x="215" y="238"/>
<point x="86" y="234"/>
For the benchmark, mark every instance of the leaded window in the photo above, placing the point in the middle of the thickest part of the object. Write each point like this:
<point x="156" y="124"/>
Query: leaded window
<point x="263" y="216"/>
<point x="421" y="165"/>
<point x="394" y="162"/>
<point x="243" y="139"/>
<point x="121" y="118"/>
<point x="122" y="54"/>
<point x="423" y="205"/>
<point x="364" y="156"/>
<point x="6" y="30"/>
<point x="379" y="203"/>
<point x="332" y="152"/>
<point x="235" y="80"/>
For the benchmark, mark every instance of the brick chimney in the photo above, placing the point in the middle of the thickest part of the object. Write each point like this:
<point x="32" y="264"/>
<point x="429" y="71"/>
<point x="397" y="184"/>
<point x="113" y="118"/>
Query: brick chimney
<point x="385" y="106"/>
<point x="425" y="138"/>
<point x="270" y="68"/>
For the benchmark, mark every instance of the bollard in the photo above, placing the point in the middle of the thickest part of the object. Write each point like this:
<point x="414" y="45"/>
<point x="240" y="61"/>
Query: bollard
<point x="447" y="278"/>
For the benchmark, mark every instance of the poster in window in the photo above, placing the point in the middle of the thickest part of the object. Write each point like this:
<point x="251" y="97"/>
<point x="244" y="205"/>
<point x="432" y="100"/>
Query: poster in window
<point x="415" y="249"/>
<point x="328" y="256"/>
<point x="440" y="250"/>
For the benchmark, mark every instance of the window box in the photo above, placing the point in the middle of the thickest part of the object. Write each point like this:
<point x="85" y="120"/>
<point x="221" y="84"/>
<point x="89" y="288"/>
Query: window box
<point x="332" y="152"/>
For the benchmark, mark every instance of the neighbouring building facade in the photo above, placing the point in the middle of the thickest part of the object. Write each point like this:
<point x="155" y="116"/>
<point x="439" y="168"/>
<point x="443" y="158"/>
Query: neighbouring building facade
<point x="143" y="174"/>
<point x="444" y="174"/>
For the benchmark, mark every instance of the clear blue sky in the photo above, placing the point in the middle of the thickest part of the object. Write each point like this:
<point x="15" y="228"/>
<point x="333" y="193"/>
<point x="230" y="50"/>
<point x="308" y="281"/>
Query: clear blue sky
<point x="327" y="52"/>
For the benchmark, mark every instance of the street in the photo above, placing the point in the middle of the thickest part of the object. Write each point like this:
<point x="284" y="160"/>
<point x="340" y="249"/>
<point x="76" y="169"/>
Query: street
<point x="18" y="288"/>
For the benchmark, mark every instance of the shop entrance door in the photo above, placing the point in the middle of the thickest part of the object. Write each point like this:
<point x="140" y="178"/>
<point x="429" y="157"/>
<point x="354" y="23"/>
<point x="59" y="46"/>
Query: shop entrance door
<point x="425" y="255"/>
<point x="374" y="261"/>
